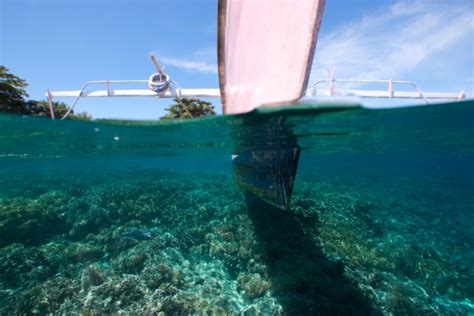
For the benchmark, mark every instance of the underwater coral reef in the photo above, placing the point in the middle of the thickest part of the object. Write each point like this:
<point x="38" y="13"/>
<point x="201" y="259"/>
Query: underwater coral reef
<point x="161" y="243"/>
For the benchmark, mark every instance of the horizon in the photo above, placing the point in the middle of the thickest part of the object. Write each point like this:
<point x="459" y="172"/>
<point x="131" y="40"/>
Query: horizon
<point x="49" y="45"/>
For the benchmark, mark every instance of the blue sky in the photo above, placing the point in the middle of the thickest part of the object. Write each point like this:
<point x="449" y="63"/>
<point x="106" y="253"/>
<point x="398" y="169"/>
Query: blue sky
<point x="60" y="44"/>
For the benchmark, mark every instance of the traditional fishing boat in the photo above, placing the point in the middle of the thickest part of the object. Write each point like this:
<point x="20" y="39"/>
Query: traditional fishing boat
<point x="265" y="51"/>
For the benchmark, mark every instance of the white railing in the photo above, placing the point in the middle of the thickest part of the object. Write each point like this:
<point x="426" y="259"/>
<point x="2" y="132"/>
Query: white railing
<point x="331" y="90"/>
<point x="108" y="92"/>
<point x="314" y="91"/>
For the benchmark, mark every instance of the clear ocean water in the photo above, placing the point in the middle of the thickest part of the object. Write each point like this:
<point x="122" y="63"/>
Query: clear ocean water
<point x="121" y="217"/>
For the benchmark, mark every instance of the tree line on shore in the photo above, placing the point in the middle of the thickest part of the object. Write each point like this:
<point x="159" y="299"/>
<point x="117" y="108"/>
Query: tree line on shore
<point x="13" y="100"/>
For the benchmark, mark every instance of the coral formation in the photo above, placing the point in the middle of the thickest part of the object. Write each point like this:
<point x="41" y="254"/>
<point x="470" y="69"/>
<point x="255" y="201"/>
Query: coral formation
<point x="253" y="285"/>
<point x="91" y="276"/>
<point x="161" y="243"/>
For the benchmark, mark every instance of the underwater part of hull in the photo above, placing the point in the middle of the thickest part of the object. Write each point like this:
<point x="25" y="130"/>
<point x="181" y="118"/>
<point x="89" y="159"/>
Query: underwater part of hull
<point x="268" y="174"/>
<point x="265" y="160"/>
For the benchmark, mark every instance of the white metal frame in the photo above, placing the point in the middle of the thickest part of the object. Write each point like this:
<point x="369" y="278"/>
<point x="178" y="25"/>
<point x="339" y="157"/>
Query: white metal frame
<point x="331" y="91"/>
<point x="389" y="93"/>
<point x="108" y="92"/>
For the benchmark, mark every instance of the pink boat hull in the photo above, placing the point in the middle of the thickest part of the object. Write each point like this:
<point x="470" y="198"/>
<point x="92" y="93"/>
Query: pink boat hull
<point x="265" y="51"/>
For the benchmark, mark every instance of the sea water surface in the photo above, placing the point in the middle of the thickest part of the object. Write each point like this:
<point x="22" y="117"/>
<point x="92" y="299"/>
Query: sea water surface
<point x="120" y="217"/>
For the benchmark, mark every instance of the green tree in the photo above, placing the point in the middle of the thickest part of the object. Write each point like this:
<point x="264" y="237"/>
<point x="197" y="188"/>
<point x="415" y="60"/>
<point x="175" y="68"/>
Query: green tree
<point x="12" y="92"/>
<point x="196" y="107"/>
<point x="41" y="108"/>
<point x="83" y="116"/>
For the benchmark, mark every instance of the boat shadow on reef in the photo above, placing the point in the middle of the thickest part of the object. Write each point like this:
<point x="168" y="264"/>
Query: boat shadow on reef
<point x="303" y="279"/>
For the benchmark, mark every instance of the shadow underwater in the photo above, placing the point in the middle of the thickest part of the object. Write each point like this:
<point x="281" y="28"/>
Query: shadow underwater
<point x="303" y="279"/>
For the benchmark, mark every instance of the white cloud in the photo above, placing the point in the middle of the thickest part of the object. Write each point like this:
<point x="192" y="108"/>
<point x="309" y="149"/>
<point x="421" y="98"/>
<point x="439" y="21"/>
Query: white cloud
<point x="201" y="62"/>
<point x="392" y="43"/>
<point x="210" y="53"/>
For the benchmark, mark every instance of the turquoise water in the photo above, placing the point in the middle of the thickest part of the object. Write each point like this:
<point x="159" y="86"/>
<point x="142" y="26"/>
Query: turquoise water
<point x="145" y="217"/>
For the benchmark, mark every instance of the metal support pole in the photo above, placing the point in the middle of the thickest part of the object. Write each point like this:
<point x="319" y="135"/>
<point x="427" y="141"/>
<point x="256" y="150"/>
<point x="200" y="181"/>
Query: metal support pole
<point x="157" y="65"/>
<point x="331" y="80"/>
<point x="50" y="104"/>
<point x="390" y="88"/>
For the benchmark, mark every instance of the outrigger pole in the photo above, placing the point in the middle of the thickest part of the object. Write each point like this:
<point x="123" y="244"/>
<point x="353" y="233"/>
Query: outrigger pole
<point x="159" y="85"/>
<point x="390" y="93"/>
